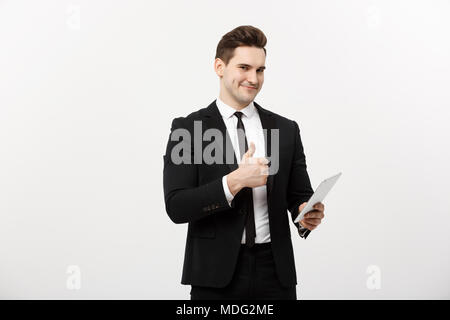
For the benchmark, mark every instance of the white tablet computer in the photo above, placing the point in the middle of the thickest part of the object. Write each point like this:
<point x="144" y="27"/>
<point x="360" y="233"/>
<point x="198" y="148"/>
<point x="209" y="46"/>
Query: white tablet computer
<point x="319" y="195"/>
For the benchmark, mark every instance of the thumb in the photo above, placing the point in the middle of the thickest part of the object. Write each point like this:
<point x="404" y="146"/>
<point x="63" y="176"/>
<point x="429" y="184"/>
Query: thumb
<point x="300" y="208"/>
<point x="250" y="151"/>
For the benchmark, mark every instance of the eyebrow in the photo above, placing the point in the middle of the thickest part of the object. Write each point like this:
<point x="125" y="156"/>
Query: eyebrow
<point x="247" y="65"/>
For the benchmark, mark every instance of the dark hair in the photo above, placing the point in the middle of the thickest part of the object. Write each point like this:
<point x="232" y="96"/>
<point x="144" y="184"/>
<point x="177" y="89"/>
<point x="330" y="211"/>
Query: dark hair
<point x="240" y="36"/>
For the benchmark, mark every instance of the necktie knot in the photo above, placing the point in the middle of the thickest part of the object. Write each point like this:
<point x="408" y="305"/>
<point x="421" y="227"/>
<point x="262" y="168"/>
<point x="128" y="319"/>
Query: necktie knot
<point x="238" y="114"/>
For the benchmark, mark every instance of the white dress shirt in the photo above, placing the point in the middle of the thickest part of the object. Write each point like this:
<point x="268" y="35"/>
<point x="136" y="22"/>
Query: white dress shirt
<point x="254" y="133"/>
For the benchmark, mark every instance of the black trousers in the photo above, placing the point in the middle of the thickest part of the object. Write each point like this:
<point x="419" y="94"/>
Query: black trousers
<point x="254" y="278"/>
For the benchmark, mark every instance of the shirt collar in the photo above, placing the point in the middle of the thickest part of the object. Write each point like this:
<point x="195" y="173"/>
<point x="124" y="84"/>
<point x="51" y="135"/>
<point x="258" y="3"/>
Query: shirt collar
<point x="226" y="111"/>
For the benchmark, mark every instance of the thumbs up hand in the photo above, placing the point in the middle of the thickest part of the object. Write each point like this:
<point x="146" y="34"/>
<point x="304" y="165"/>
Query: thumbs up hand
<point x="252" y="172"/>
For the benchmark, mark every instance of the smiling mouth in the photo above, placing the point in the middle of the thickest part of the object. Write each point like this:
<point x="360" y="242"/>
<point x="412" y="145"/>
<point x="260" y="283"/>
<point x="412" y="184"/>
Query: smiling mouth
<point x="249" y="87"/>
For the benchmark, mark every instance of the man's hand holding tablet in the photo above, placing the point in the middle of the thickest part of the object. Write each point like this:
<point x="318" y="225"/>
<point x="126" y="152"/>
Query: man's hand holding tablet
<point x="311" y="213"/>
<point x="314" y="217"/>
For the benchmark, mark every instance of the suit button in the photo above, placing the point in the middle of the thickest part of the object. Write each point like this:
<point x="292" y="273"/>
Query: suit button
<point x="242" y="211"/>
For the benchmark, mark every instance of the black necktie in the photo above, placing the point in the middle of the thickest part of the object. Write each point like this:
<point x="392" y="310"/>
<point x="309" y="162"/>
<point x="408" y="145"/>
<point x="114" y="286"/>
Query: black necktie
<point x="250" y="231"/>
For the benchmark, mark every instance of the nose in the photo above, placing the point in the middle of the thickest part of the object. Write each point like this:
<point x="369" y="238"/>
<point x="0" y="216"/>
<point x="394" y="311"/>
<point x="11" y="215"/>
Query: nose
<point x="252" y="79"/>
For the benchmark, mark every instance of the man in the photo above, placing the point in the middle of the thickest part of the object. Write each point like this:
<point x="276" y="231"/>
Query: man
<point x="238" y="243"/>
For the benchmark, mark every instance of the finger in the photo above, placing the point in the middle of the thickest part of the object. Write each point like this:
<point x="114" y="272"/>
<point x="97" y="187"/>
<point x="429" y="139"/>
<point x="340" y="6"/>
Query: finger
<point x="307" y="225"/>
<point x="313" y="221"/>
<point x="250" y="151"/>
<point x="319" y="206"/>
<point x="303" y="223"/>
<point x="264" y="171"/>
<point x="300" y="207"/>
<point x="314" y="214"/>
<point x="263" y="161"/>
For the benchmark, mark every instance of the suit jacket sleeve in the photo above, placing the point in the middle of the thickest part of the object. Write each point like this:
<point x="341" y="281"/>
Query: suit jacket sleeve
<point x="299" y="189"/>
<point x="185" y="200"/>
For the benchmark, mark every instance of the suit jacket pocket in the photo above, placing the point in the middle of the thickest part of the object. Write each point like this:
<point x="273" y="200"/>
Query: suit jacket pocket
<point x="203" y="228"/>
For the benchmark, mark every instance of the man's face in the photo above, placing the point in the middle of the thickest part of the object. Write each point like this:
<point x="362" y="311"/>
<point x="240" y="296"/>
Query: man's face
<point x="243" y="77"/>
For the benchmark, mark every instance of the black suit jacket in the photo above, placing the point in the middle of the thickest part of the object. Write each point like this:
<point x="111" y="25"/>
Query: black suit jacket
<point x="194" y="194"/>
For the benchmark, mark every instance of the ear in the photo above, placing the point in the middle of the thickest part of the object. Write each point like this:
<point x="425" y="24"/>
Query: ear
<point x="218" y="67"/>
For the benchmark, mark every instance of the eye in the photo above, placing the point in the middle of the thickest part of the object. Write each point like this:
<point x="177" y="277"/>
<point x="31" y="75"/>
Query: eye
<point x="243" y="67"/>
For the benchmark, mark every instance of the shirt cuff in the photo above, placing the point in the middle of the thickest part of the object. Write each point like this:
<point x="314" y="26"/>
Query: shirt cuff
<point x="228" y="194"/>
<point x="302" y="231"/>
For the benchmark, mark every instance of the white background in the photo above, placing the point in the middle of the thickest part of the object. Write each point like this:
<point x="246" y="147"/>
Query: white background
<point x="88" y="90"/>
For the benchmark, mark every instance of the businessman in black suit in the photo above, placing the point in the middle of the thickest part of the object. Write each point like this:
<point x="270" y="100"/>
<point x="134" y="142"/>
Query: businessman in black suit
<point x="238" y="243"/>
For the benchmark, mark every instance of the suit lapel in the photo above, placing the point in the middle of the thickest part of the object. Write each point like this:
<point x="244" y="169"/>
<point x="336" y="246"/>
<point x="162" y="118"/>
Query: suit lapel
<point x="213" y="120"/>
